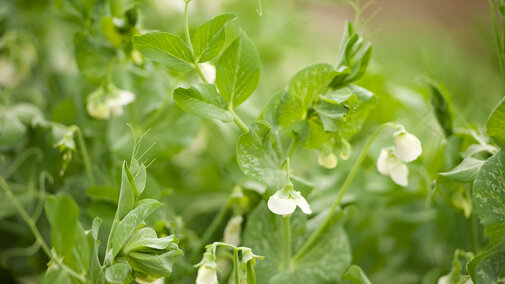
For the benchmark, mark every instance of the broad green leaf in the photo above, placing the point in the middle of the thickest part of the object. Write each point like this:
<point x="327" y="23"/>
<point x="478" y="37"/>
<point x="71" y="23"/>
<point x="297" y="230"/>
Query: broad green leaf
<point x="356" y="275"/>
<point x="442" y="108"/>
<point x="126" y="194"/>
<point x="62" y="213"/>
<point x="131" y="221"/>
<point x="496" y="124"/>
<point x="486" y="267"/>
<point x="208" y="39"/>
<point x="166" y="48"/>
<point x="488" y="193"/>
<point x="258" y="157"/>
<point x="238" y="71"/>
<point x="204" y="101"/>
<point x="155" y="266"/>
<point x="466" y="171"/>
<point x="95" y="272"/>
<point x="303" y="88"/>
<point x="326" y="262"/>
<point x="92" y="57"/>
<point x="117" y="273"/>
<point x="146" y="240"/>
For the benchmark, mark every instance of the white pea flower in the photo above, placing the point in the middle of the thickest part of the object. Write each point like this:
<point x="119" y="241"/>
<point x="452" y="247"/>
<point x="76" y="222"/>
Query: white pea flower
<point x="206" y="275"/>
<point x="232" y="230"/>
<point x="209" y="71"/>
<point x="407" y="146"/>
<point x="328" y="161"/>
<point x="284" y="202"/>
<point x="103" y="103"/>
<point x="389" y="164"/>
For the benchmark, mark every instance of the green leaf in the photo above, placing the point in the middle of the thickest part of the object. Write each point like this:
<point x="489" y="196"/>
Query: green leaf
<point x="92" y="57"/>
<point x="486" y="267"/>
<point x="326" y="262"/>
<point x="95" y="272"/>
<point x="139" y="176"/>
<point x="56" y="276"/>
<point x="117" y="273"/>
<point x="126" y="194"/>
<point x="166" y="48"/>
<point x="496" y="124"/>
<point x="208" y="39"/>
<point x="155" y="266"/>
<point x="258" y="157"/>
<point x="103" y="193"/>
<point x="488" y="193"/>
<point x="238" y="71"/>
<point x="62" y="213"/>
<point x="356" y="275"/>
<point x="303" y="88"/>
<point x="204" y="101"/>
<point x="466" y="171"/>
<point x="146" y="240"/>
<point x="131" y="222"/>
<point x="442" y="108"/>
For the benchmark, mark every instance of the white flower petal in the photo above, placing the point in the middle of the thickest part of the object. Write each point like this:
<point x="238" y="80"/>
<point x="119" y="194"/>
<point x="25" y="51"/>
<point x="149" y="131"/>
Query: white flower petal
<point x="209" y="71"/>
<point x="232" y="230"/>
<point x="382" y="161"/>
<point x="280" y="204"/>
<point x="120" y="98"/>
<point x="301" y="202"/>
<point x="407" y="146"/>
<point x="96" y="105"/>
<point x="206" y="275"/>
<point x="398" y="171"/>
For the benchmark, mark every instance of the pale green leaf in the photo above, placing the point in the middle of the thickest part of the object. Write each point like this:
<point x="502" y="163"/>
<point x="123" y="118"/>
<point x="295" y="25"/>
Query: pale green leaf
<point x="356" y="275"/>
<point x="486" y="267"/>
<point x="204" y="101"/>
<point x="238" y="71"/>
<point x="466" y="171"/>
<point x="208" y="39"/>
<point x="258" y="157"/>
<point x="488" y="193"/>
<point x="117" y="272"/>
<point x="166" y="48"/>
<point x="131" y="221"/>
<point x="496" y="124"/>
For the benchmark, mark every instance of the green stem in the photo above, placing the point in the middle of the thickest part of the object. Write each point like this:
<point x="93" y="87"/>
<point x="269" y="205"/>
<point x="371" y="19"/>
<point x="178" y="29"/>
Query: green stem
<point x="239" y="122"/>
<point x="236" y="266"/>
<point x="211" y="229"/>
<point x="200" y="73"/>
<point x="84" y="154"/>
<point x="20" y="159"/>
<point x="286" y="235"/>
<point x="292" y="147"/>
<point x="350" y="177"/>
<point x="499" y="48"/>
<point x="35" y="231"/>
<point x="186" y="25"/>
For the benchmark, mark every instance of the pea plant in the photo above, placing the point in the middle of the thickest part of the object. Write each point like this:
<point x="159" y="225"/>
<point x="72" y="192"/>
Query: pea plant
<point x="155" y="164"/>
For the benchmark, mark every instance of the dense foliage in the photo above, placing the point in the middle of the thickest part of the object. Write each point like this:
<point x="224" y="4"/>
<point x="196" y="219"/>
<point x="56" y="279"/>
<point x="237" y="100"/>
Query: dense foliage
<point x="136" y="148"/>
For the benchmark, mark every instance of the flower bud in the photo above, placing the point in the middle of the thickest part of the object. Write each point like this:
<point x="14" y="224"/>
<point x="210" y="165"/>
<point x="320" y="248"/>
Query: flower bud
<point x="233" y="230"/>
<point x="206" y="275"/>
